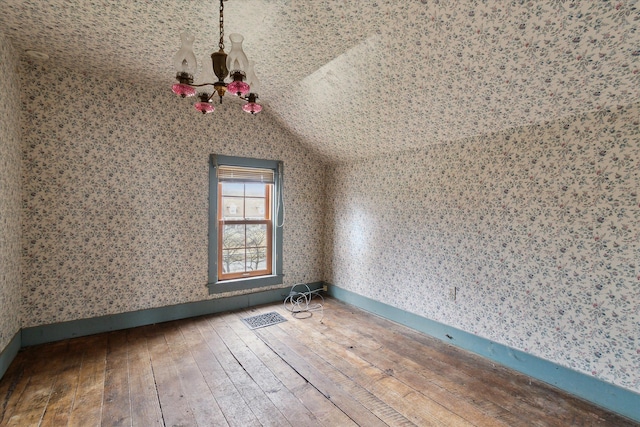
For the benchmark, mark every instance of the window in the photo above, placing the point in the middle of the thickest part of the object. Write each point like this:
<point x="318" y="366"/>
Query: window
<point x="245" y="223"/>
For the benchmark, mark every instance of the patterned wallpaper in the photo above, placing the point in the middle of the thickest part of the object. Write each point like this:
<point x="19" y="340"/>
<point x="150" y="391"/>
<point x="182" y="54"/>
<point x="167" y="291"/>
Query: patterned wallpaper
<point x="538" y="227"/>
<point x="10" y="152"/>
<point x="416" y="73"/>
<point x="116" y="195"/>
<point x="353" y="78"/>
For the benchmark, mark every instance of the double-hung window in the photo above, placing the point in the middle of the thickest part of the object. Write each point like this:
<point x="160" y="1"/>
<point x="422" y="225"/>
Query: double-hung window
<point x="245" y="223"/>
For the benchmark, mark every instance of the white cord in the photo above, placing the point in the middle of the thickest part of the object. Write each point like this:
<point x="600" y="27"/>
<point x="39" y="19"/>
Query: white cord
<point x="280" y="201"/>
<point x="299" y="303"/>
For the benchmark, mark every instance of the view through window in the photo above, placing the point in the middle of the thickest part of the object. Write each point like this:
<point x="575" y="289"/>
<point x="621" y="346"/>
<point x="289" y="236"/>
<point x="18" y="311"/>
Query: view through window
<point x="245" y="224"/>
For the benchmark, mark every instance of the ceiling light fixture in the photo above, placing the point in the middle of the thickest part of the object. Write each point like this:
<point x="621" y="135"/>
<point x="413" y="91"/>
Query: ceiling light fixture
<point x="244" y="82"/>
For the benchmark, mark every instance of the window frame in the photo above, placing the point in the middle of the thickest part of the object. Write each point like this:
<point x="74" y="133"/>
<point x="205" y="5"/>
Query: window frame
<point x="268" y="222"/>
<point x="215" y="284"/>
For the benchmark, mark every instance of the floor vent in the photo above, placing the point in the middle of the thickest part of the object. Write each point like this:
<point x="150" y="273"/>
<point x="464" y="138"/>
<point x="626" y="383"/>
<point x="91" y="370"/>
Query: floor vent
<point x="262" y="320"/>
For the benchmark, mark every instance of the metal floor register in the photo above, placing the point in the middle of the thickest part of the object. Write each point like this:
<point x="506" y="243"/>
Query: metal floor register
<point x="262" y="320"/>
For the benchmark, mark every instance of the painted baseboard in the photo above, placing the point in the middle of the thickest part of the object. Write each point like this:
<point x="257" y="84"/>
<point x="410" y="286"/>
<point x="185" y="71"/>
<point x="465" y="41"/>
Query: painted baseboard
<point x="601" y="393"/>
<point x="82" y="327"/>
<point x="77" y="328"/>
<point x="9" y="353"/>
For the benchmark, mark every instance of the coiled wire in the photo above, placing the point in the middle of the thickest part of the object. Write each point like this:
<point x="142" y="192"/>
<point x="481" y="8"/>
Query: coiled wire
<point x="299" y="303"/>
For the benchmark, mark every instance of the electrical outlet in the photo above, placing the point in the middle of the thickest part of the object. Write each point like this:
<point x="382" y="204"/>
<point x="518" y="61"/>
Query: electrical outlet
<point x="325" y="288"/>
<point x="452" y="293"/>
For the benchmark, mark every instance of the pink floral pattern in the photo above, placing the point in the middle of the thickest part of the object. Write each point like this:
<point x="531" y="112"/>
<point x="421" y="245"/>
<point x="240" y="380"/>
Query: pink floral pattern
<point x="537" y="227"/>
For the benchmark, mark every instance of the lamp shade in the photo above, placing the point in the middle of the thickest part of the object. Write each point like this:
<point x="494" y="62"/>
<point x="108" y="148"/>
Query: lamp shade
<point x="236" y="59"/>
<point x="206" y="75"/>
<point x="252" y="78"/>
<point x="185" y="60"/>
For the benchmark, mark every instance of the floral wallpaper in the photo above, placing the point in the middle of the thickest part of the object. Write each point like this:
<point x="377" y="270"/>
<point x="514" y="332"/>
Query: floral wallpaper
<point x="532" y="214"/>
<point x="10" y="197"/>
<point x="353" y="78"/>
<point x="115" y="194"/>
<point x="407" y="74"/>
<point x="537" y="227"/>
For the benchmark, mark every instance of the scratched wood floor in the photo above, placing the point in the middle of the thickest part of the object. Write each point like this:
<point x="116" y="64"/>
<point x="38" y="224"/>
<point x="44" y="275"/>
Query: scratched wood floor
<point x="341" y="367"/>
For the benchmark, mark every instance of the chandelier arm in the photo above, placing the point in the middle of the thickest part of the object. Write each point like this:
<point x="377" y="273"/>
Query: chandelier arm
<point x="202" y="84"/>
<point x="214" y="92"/>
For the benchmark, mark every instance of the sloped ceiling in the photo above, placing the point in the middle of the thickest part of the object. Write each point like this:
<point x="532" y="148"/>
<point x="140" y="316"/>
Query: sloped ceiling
<point x="359" y="78"/>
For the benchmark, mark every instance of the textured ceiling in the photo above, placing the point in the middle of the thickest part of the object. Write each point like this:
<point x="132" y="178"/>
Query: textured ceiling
<point x="359" y="78"/>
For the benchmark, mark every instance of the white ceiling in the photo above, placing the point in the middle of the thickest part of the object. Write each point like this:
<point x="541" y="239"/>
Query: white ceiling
<point x="360" y="78"/>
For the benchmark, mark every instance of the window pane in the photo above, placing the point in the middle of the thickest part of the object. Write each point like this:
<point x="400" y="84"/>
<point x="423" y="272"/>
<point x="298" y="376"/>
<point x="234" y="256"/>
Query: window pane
<point x="256" y="235"/>
<point x="255" y="190"/>
<point x="233" y="236"/>
<point x="232" y="189"/>
<point x="255" y="208"/>
<point x="233" y="261"/>
<point x="232" y="207"/>
<point x="256" y="259"/>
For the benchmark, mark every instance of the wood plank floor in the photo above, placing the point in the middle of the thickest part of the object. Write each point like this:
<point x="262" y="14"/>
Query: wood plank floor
<point x="340" y="367"/>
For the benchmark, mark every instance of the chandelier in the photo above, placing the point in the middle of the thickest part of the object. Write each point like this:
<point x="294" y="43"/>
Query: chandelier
<point x="234" y="66"/>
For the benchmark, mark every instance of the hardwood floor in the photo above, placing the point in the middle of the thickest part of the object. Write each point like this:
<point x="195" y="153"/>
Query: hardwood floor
<point x="341" y="367"/>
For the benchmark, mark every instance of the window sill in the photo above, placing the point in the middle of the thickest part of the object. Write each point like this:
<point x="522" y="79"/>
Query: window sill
<point x="244" y="284"/>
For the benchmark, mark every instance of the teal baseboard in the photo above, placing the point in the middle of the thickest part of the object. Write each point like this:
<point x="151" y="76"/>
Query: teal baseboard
<point x="598" y="392"/>
<point x="9" y="353"/>
<point x="82" y="327"/>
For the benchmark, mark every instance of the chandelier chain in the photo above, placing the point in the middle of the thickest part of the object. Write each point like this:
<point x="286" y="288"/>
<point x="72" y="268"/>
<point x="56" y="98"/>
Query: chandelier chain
<point x="221" y="43"/>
